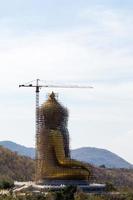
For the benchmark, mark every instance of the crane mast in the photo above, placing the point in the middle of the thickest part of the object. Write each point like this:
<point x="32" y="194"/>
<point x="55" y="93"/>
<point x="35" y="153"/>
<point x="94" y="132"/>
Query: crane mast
<point x="37" y="119"/>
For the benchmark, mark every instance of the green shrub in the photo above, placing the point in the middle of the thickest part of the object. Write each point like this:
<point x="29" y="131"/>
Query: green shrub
<point x="80" y="196"/>
<point x="110" y="187"/>
<point x="6" y="183"/>
<point x="67" y="193"/>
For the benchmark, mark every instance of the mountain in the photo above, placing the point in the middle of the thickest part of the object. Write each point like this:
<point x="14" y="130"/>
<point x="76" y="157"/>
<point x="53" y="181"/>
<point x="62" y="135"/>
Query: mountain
<point x="14" y="166"/>
<point x="100" y="157"/>
<point x="91" y="155"/>
<point x="20" y="149"/>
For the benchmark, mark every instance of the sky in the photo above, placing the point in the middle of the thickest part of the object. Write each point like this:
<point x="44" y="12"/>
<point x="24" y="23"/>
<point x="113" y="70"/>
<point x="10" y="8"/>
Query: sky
<point x="80" y="42"/>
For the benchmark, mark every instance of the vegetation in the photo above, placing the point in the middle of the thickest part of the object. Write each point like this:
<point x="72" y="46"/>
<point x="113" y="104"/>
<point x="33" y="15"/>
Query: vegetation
<point x="107" y="197"/>
<point x="102" y="166"/>
<point x="21" y="168"/>
<point x="6" y="183"/>
<point x="120" y="178"/>
<point x="66" y="193"/>
<point x="15" y="167"/>
<point x="75" y="196"/>
<point x="110" y="187"/>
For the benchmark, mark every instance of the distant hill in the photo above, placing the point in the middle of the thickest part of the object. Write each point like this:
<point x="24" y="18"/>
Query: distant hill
<point x="20" y="149"/>
<point x="91" y="155"/>
<point x="14" y="166"/>
<point x="100" y="157"/>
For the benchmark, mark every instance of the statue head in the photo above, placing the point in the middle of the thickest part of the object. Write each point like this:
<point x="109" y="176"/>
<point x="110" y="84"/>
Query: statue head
<point x="54" y="114"/>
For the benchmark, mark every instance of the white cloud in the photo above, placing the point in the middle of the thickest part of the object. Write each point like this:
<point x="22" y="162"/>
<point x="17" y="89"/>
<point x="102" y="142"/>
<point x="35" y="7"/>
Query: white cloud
<point x="59" y="54"/>
<point x="114" y="21"/>
<point x="93" y="53"/>
<point x="123" y="145"/>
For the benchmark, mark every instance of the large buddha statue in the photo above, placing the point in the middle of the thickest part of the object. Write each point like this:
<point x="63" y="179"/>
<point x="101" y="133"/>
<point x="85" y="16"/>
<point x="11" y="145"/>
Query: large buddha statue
<point x="54" y="161"/>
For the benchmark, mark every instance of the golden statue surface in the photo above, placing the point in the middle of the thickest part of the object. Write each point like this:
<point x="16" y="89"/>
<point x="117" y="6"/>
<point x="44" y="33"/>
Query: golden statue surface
<point x="54" y="161"/>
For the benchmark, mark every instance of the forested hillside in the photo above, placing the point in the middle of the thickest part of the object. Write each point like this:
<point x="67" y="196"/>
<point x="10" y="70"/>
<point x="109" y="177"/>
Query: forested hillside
<point x="16" y="167"/>
<point x="22" y="168"/>
<point x="118" y="177"/>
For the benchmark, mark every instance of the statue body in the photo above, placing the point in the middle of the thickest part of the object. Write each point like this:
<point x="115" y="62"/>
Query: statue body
<point x="54" y="162"/>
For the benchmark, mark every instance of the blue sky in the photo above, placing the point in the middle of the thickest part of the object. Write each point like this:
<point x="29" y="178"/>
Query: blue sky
<point x="68" y="42"/>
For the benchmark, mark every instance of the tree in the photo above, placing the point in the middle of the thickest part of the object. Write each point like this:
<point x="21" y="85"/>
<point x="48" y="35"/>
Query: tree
<point x="6" y="183"/>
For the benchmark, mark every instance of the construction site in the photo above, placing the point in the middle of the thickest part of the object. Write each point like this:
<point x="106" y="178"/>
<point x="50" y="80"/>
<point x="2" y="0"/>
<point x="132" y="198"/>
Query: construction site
<point x="54" y="165"/>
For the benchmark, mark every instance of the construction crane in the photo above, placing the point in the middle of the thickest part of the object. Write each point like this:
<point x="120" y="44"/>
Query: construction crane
<point x="37" y="87"/>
